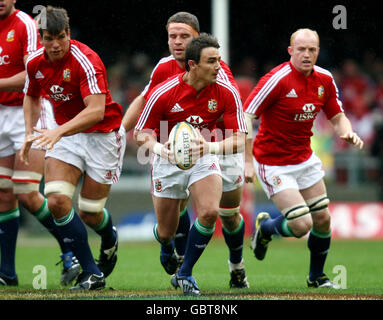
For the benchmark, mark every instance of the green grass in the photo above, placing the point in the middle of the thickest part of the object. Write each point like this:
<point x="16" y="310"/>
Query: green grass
<point x="139" y="275"/>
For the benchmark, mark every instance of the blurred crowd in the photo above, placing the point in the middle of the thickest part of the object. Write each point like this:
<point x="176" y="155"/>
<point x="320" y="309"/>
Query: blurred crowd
<point x="360" y="85"/>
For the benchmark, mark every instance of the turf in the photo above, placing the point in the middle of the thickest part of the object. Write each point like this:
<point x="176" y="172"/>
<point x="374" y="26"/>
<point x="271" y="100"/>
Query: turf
<point x="139" y="275"/>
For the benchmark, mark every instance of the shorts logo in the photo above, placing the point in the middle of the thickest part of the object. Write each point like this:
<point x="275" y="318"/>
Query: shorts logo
<point x="213" y="167"/>
<point x="11" y="35"/>
<point x="108" y="175"/>
<point x="276" y="181"/>
<point x="239" y="180"/>
<point x="212" y="106"/>
<point x="320" y="92"/>
<point x="66" y="75"/>
<point x="158" y="185"/>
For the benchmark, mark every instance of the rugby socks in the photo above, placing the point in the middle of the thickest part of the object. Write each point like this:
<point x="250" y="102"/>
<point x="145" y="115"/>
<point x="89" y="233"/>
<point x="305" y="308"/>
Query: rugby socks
<point x="199" y="237"/>
<point x="43" y="215"/>
<point x="182" y="232"/>
<point x="73" y="231"/>
<point x="105" y="230"/>
<point x="319" y="245"/>
<point x="234" y="240"/>
<point x="9" y="227"/>
<point x="278" y="226"/>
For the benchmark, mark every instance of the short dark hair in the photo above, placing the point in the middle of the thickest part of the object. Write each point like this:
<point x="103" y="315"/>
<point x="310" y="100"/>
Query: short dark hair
<point x="184" y="17"/>
<point x="196" y="45"/>
<point x="56" y="20"/>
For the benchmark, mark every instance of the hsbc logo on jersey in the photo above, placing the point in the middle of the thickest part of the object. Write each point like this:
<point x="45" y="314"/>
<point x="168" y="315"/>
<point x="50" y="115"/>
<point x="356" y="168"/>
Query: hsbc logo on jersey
<point x="308" y="107"/>
<point x="308" y="113"/>
<point x="195" y="120"/>
<point x="3" y="59"/>
<point x="58" y="95"/>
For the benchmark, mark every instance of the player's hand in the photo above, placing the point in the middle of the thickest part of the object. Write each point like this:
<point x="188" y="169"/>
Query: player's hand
<point x="167" y="154"/>
<point x="46" y="137"/>
<point x="354" y="139"/>
<point x="200" y="148"/>
<point x="249" y="172"/>
<point x="24" y="151"/>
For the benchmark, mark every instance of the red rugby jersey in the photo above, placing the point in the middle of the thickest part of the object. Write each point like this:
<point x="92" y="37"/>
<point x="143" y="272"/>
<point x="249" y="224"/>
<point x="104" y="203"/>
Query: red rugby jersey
<point x="18" y="38"/>
<point x="174" y="101"/>
<point x="287" y="103"/>
<point x="68" y="81"/>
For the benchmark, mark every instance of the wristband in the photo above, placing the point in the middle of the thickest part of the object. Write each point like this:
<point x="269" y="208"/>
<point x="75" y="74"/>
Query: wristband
<point x="157" y="148"/>
<point x="214" y="147"/>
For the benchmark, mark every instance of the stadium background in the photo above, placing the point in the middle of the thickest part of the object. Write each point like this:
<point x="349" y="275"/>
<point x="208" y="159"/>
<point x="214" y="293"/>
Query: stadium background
<point x="130" y="37"/>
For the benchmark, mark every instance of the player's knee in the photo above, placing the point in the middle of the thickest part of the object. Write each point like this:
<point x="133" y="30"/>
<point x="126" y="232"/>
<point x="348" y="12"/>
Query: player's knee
<point x="322" y="220"/>
<point x="28" y="199"/>
<point x="208" y="215"/>
<point x="7" y="196"/>
<point x="301" y="226"/>
<point x="59" y="205"/>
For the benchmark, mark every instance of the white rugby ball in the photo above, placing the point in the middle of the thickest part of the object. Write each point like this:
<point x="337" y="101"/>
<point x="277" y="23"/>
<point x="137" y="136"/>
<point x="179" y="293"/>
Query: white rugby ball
<point x="180" y="142"/>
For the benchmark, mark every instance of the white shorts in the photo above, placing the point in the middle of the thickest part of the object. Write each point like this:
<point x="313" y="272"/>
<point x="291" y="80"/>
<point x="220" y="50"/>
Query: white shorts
<point x="168" y="181"/>
<point x="12" y="126"/>
<point x="233" y="171"/>
<point x="300" y="176"/>
<point x="100" y="155"/>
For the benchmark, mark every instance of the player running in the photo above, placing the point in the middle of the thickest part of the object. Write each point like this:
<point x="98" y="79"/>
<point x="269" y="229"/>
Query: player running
<point x="19" y="183"/>
<point x="287" y="100"/>
<point x="87" y="143"/>
<point x="192" y="91"/>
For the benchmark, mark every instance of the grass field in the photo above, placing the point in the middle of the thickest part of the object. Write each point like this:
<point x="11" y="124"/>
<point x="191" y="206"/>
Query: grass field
<point x="139" y="275"/>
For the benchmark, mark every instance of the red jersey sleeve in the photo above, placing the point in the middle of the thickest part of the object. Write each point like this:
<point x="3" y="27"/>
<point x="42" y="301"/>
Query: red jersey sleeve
<point x="31" y="87"/>
<point x="92" y="73"/>
<point x="233" y="117"/>
<point x="262" y="96"/>
<point x="333" y="105"/>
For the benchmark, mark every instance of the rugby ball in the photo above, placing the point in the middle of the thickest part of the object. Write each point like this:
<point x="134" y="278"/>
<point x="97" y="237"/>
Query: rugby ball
<point x="180" y="142"/>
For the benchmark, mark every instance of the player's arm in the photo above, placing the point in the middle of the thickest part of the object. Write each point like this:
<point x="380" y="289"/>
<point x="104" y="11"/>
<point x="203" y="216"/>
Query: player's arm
<point x="131" y="115"/>
<point x="92" y="113"/>
<point x="15" y="82"/>
<point x="31" y="106"/>
<point x="145" y="139"/>
<point x="343" y="128"/>
<point x="249" y="165"/>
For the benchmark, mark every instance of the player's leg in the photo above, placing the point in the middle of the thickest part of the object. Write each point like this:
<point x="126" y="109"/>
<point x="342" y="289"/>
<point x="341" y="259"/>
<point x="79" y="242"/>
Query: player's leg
<point x="206" y="194"/>
<point x="233" y="224"/>
<point x="233" y="229"/>
<point x="9" y="222"/>
<point x="26" y="180"/>
<point x="182" y="232"/>
<point x="320" y="235"/>
<point x="91" y="203"/>
<point x="167" y="214"/>
<point x="60" y="183"/>
<point x="102" y="158"/>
